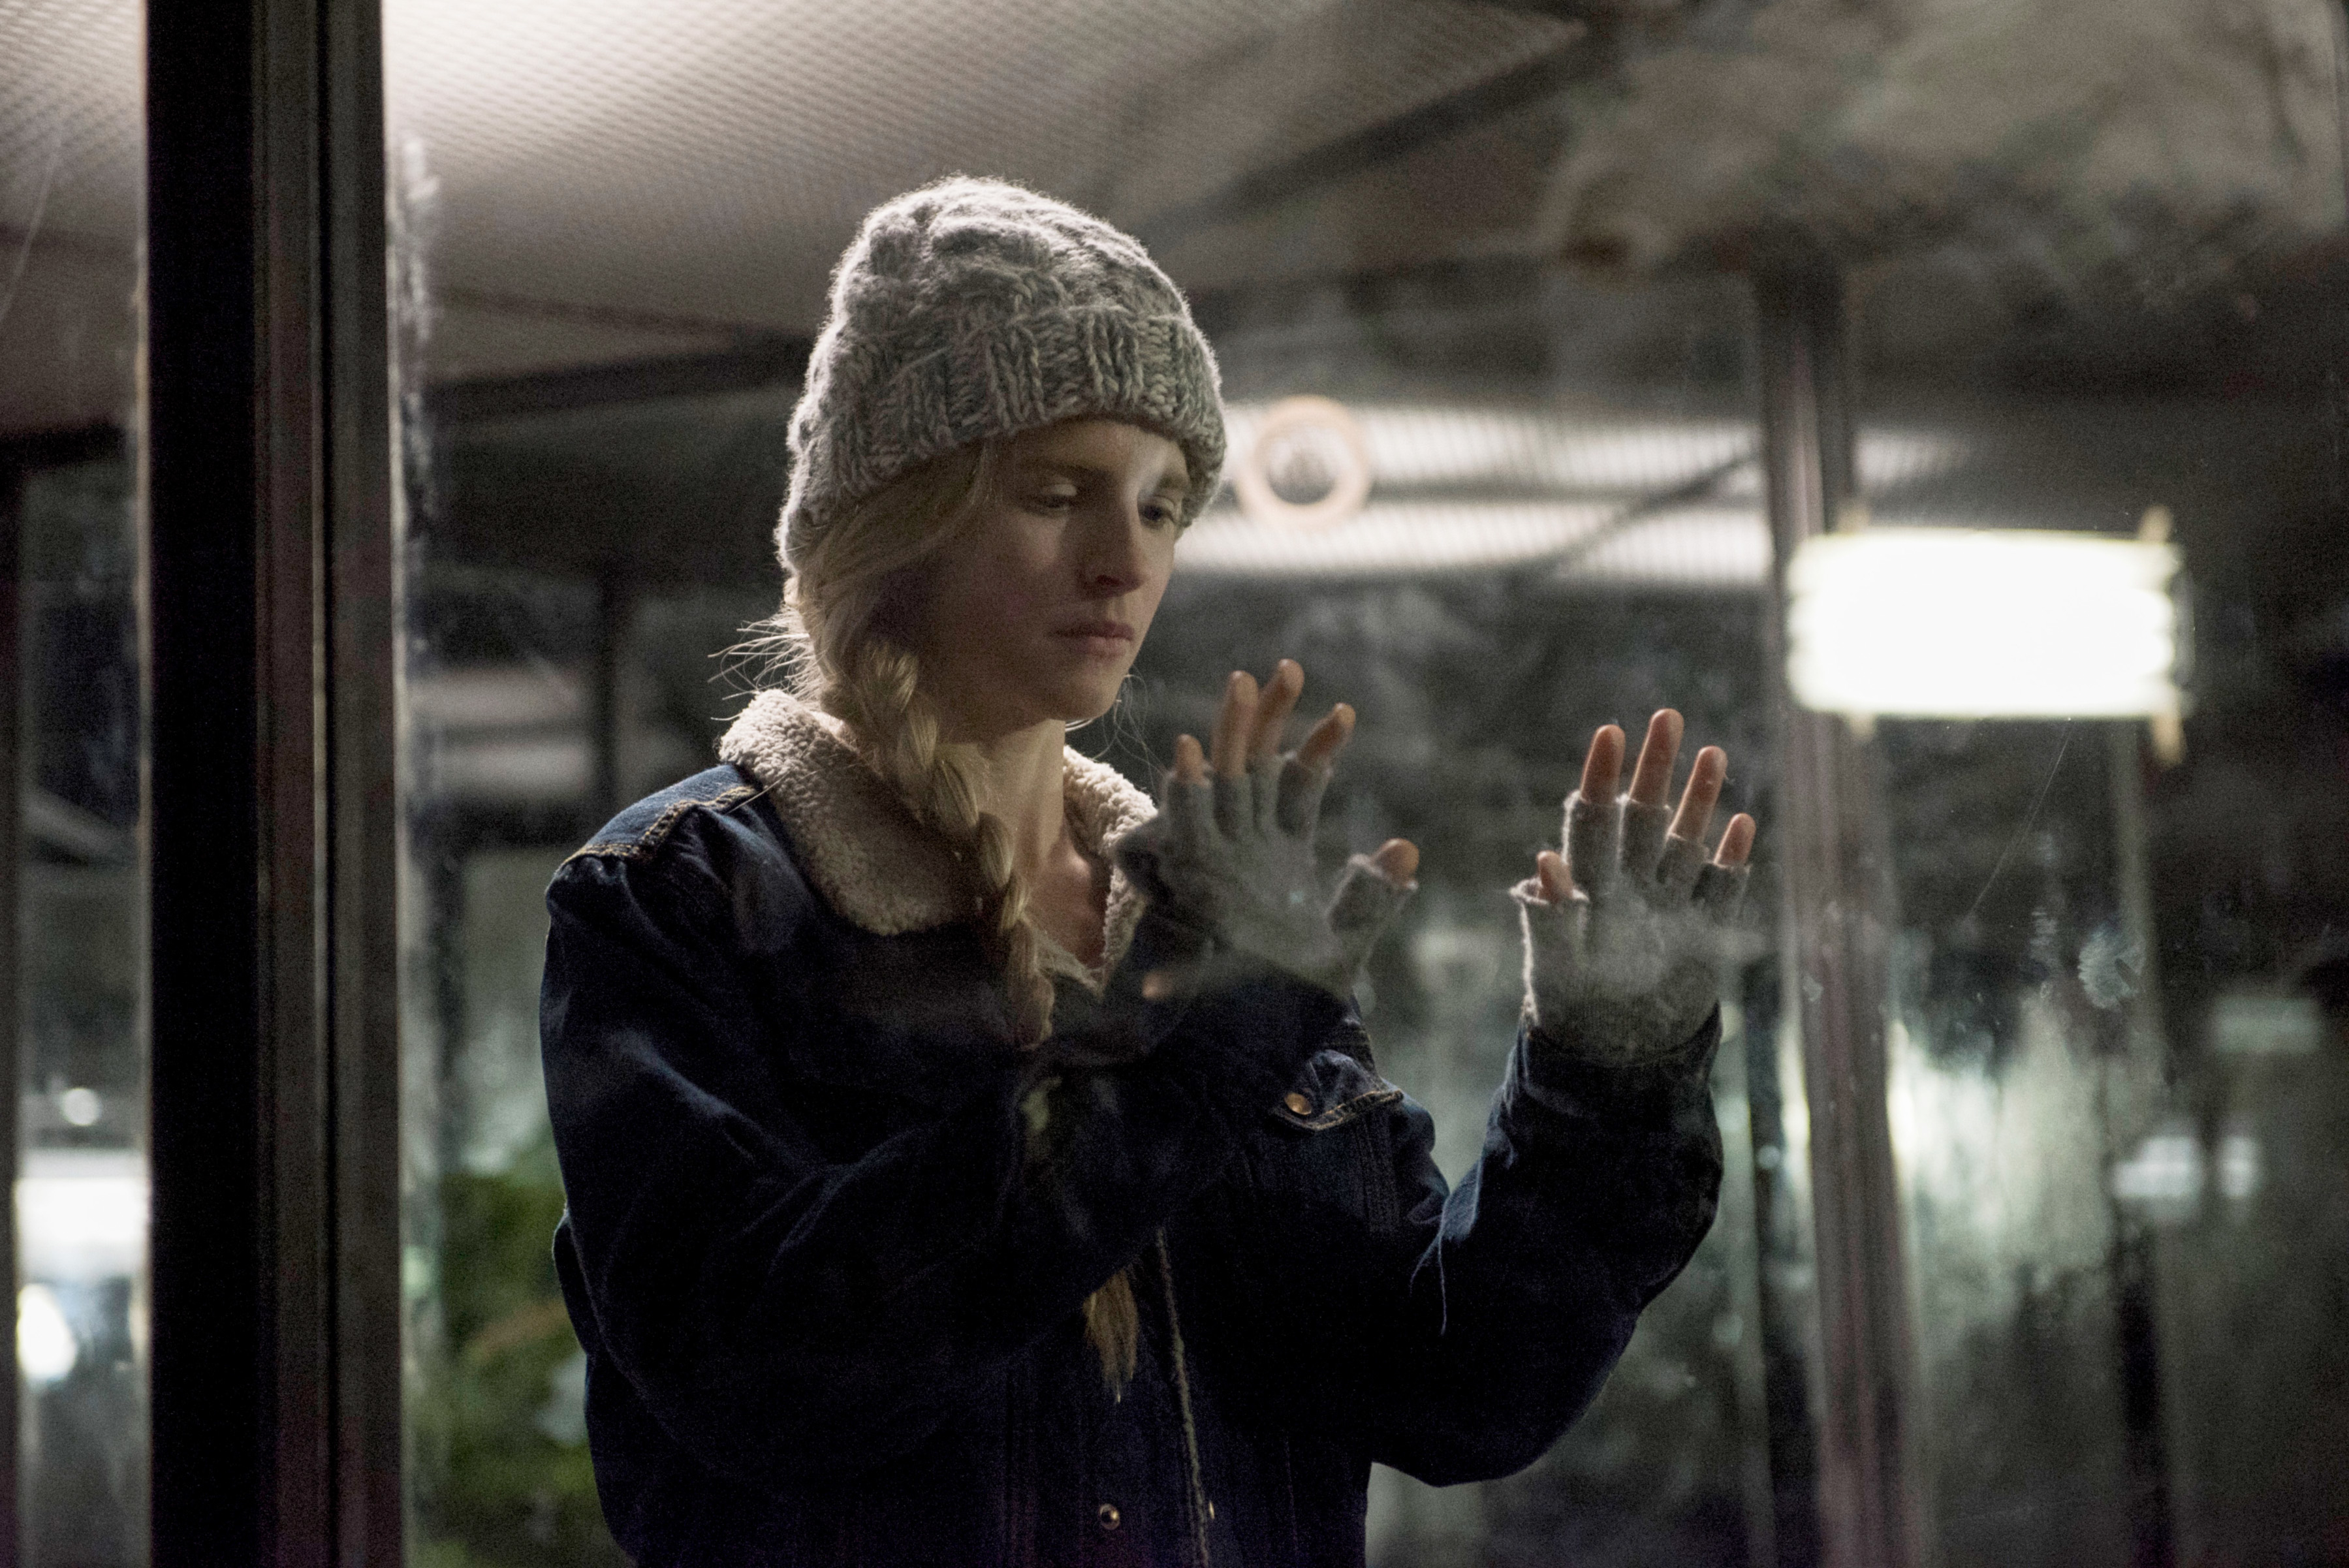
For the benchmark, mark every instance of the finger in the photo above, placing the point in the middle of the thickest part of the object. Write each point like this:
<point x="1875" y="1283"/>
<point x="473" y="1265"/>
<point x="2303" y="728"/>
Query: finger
<point x="1720" y="889"/>
<point x="1677" y="867"/>
<point x="1643" y="838"/>
<point x="1552" y="877"/>
<point x="1235" y="802"/>
<point x="1233" y="722"/>
<point x="1266" y="775"/>
<point x="1736" y="842"/>
<point x="1703" y="791"/>
<point x="1593" y="838"/>
<point x="1553" y="930"/>
<point x="1653" y="775"/>
<point x="1397" y="860"/>
<point x="1602" y="764"/>
<point x="1298" y="805"/>
<point x="1273" y="708"/>
<point x="1190" y="762"/>
<point x="1329" y="737"/>
<point x="1367" y="900"/>
<point x="1188" y="806"/>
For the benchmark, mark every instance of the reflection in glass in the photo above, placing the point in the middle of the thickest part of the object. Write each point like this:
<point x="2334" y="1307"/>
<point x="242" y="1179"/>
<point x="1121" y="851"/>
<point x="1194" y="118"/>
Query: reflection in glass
<point x="71" y="170"/>
<point x="81" y="1187"/>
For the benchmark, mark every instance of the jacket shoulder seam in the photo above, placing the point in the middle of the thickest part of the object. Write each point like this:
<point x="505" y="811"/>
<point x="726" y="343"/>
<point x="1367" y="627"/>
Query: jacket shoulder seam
<point x="647" y="844"/>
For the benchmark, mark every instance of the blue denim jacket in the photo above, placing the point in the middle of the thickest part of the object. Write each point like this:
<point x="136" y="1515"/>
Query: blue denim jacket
<point x="829" y="1280"/>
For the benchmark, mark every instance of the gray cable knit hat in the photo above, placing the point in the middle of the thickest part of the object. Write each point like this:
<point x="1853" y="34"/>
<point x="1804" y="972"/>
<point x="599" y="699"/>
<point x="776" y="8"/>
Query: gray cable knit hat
<point x="972" y="309"/>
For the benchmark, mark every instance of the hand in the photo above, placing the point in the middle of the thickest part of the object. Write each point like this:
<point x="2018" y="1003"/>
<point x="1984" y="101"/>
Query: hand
<point x="1621" y="932"/>
<point x="1231" y="848"/>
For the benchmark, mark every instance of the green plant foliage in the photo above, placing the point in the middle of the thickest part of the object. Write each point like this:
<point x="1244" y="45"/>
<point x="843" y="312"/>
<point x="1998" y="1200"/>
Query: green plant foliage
<point x="508" y="1481"/>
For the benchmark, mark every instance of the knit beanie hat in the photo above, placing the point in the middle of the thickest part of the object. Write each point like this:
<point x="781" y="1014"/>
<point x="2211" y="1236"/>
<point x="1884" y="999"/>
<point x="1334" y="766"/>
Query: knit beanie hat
<point x="971" y="310"/>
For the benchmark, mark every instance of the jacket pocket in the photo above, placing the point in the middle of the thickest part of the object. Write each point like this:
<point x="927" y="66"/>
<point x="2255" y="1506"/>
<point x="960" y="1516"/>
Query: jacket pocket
<point x="1325" y="1143"/>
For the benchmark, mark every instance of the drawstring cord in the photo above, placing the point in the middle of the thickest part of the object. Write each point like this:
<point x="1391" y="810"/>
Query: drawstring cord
<point x="1183" y="1400"/>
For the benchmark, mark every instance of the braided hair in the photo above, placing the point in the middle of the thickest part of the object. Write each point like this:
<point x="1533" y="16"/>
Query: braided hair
<point x="847" y="629"/>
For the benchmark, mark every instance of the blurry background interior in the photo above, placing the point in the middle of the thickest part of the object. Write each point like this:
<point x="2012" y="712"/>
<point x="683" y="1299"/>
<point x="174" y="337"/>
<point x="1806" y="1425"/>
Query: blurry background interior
<point x="2086" y="262"/>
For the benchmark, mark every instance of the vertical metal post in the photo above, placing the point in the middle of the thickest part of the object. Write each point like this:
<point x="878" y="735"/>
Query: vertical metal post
<point x="1868" y="1505"/>
<point x="2134" y="1077"/>
<point x="267" y="580"/>
<point x="1785" y="1278"/>
<point x="1740" y="1216"/>
<point x="360" y="586"/>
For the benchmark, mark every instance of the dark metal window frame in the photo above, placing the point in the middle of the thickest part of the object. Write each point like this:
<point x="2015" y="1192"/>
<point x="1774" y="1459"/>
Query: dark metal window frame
<point x="268" y="557"/>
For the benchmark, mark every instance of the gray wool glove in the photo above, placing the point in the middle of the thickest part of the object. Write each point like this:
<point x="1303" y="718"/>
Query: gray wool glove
<point x="1625" y="969"/>
<point x="1234" y="857"/>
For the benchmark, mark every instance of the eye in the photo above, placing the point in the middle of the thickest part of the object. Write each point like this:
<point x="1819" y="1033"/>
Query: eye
<point x="1052" y="497"/>
<point x="1162" y="513"/>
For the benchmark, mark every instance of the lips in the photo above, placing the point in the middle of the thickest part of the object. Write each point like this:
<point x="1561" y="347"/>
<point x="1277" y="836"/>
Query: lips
<point x="1098" y="630"/>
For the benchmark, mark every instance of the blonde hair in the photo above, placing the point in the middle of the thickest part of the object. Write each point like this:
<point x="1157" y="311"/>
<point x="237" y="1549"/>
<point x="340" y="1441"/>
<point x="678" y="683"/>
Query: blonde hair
<point x="847" y="629"/>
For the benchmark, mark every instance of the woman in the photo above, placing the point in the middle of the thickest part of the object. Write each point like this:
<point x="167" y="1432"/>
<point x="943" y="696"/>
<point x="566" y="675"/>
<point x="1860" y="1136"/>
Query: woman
<point x="970" y="1164"/>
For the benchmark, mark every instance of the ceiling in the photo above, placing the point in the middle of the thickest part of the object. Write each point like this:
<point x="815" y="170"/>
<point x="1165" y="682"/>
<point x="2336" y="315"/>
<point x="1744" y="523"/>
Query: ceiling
<point x="593" y="182"/>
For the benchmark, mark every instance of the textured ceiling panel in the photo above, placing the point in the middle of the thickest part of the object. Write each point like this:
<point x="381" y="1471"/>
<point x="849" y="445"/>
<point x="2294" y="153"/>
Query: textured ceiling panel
<point x="70" y="79"/>
<point x="473" y="338"/>
<point x="70" y="175"/>
<point x="594" y="180"/>
<point x="1331" y="75"/>
<point x="1476" y="195"/>
<point x="711" y="157"/>
<point x="2121" y="147"/>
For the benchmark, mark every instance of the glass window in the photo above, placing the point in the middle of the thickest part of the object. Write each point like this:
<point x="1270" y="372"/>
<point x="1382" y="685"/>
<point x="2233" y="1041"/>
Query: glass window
<point x="71" y="166"/>
<point x="1482" y="283"/>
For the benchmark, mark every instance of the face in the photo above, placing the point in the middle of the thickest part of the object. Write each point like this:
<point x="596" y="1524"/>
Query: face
<point x="1035" y="611"/>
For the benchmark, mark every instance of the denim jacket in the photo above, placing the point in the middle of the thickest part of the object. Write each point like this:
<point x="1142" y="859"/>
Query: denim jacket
<point x="830" y="1231"/>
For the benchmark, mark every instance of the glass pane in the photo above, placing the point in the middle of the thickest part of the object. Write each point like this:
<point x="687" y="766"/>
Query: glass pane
<point x="2091" y="256"/>
<point x="2119" y="1070"/>
<point x="70" y="177"/>
<point x="2117" y="1060"/>
<point x="1565" y="529"/>
<point x="1481" y="659"/>
<point x="537" y="695"/>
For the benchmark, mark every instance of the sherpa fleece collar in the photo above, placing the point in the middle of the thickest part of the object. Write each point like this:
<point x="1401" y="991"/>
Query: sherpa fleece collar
<point x="873" y="861"/>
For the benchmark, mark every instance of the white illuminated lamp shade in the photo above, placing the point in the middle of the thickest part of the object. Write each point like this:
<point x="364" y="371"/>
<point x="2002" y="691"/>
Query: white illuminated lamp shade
<point x="1982" y="623"/>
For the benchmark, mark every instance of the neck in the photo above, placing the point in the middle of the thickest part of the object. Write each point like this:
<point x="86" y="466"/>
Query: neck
<point x="1016" y="775"/>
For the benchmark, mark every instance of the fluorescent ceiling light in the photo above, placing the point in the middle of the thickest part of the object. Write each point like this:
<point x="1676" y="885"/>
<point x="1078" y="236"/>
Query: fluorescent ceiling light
<point x="1573" y="452"/>
<point x="1394" y="537"/>
<point x="1981" y="624"/>
<point x="1699" y="546"/>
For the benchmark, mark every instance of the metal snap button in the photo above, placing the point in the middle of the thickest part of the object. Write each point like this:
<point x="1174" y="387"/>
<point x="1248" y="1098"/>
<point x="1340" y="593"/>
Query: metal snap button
<point x="1110" y="1517"/>
<point x="1298" y="1103"/>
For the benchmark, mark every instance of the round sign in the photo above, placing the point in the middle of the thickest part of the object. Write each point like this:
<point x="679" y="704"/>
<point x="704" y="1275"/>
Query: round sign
<point x="1307" y="439"/>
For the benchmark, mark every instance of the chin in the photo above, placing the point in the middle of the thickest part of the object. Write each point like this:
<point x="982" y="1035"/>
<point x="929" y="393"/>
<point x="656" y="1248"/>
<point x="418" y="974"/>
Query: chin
<point x="1094" y="707"/>
<point x="1082" y="702"/>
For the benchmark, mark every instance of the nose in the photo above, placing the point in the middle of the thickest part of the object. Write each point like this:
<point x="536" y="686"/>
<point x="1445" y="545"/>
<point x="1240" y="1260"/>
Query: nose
<point x="1115" y="560"/>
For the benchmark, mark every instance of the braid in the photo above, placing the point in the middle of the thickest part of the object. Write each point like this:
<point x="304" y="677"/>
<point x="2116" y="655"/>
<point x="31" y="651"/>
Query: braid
<point x="835" y="628"/>
<point x="897" y="731"/>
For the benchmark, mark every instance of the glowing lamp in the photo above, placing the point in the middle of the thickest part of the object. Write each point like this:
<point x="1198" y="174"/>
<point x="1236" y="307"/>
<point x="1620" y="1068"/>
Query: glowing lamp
<point x="1982" y="623"/>
<point x="45" y="1347"/>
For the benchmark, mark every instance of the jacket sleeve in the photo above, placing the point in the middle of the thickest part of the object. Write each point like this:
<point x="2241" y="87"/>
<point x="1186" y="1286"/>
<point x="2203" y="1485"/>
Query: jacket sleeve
<point x="1469" y="1338"/>
<point x="772" y="1306"/>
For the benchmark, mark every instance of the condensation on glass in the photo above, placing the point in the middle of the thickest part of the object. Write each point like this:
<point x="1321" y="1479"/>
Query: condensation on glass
<point x="71" y="169"/>
<point x="2090" y="256"/>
